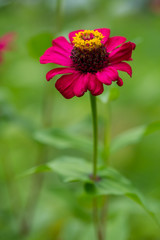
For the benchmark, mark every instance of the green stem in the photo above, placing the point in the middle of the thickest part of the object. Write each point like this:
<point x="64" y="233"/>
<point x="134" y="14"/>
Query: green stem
<point x="97" y="224"/>
<point x="95" y="133"/>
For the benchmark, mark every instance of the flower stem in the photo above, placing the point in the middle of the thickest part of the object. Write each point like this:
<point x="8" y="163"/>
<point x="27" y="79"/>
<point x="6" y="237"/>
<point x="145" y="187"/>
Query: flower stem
<point x="98" y="229"/>
<point x="97" y="224"/>
<point x="95" y="133"/>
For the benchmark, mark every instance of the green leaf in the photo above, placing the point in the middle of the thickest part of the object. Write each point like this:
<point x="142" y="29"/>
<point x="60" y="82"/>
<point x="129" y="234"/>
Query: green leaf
<point x="34" y="170"/>
<point x="71" y="168"/>
<point x="38" y="44"/>
<point x="133" y="136"/>
<point x="109" y="181"/>
<point x="63" y="140"/>
<point x="113" y="183"/>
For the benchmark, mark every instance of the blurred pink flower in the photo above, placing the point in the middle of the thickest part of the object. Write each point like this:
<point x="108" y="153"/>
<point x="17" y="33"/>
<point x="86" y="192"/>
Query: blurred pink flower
<point x="5" y="42"/>
<point x="92" y="59"/>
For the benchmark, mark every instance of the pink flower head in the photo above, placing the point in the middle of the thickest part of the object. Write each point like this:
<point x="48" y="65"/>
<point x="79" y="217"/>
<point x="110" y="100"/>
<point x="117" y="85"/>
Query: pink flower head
<point x="5" y="42"/>
<point x="91" y="59"/>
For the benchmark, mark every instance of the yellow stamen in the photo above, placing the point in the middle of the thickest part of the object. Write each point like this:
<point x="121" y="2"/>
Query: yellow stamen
<point x="88" y="39"/>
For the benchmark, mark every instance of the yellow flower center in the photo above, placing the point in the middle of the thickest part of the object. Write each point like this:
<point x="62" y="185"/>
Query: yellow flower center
<point x="88" y="40"/>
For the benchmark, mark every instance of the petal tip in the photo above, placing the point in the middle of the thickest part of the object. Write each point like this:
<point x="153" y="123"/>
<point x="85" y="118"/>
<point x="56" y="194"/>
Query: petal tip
<point x="119" y="82"/>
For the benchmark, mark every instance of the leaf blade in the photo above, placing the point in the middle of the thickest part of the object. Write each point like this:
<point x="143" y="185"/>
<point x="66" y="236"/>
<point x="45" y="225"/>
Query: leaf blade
<point x="63" y="139"/>
<point x="133" y="136"/>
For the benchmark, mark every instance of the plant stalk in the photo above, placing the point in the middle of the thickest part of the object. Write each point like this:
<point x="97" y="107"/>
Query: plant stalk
<point x="95" y="134"/>
<point x="97" y="224"/>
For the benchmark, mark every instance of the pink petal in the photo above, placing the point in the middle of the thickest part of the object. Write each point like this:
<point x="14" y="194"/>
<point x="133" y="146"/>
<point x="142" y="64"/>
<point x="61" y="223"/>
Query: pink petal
<point x="73" y="34"/>
<point x="65" y="85"/>
<point x="122" y="53"/>
<point x="133" y="45"/>
<point x="58" y="56"/>
<point x="6" y="40"/>
<point x="57" y="71"/>
<point x="107" y="75"/>
<point x="114" y="42"/>
<point x="80" y="85"/>
<point x="61" y="44"/>
<point x="59" y="53"/>
<point x="119" y="82"/>
<point x="105" y="32"/>
<point x="94" y="86"/>
<point x="122" y="66"/>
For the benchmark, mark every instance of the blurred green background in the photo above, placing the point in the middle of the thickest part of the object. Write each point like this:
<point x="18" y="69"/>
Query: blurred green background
<point x="41" y="206"/>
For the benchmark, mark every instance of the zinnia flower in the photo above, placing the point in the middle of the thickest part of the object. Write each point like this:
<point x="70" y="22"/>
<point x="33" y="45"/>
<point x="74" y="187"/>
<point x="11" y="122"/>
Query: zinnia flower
<point x="91" y="59"/>
<point x="5" y="43"/>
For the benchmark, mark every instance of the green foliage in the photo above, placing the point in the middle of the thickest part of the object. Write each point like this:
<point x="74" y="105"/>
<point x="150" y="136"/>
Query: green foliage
<point x="52" y="209"/>
<point x="38" y="44"/>
<point x="63" y="139"/>
<point x="133" y="136"/>
<point x="109" y="181"/>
